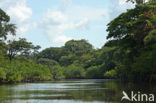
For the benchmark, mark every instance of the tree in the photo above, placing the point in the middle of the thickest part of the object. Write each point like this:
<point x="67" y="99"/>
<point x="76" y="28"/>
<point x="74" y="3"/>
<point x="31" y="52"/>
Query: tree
<point x="3" y="48"/>
<point x="85" y="61"/>
<point x="57" y="72"/>
<point x="78" y="47"/>
<point x="5" y="27"/>
<point x="67" y="60"/>
<point x="133" y="35"/>
<point x="2" y="74"/>
<point x="138" y="2"/>
<point x="21" y="47"/>
<point x="135" y="21"/>
<point x="53" y="53"/>
<point x="151" y="38"/>
<point x="73" y="71"/>
<point x="46" y="61"/>
<point x="142" y="2"/>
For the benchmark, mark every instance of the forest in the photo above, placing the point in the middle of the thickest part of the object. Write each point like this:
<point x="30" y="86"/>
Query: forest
<point x="128" y="55"/>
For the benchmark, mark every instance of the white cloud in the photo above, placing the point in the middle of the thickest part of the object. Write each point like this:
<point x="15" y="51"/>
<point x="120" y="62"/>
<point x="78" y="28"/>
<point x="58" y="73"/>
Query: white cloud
<point x="54" y="17"/>
<point x="122" y="2"/>
<point x="53" y="24"/>
<point x="19" y="13"/>
<point x="64" y="4"/>
<point x="61" y="39"/>
<point x="123" y="5"/>
<point x="56" y="21"/>
<point x="118" y="7"/>
<point x="83" y="24"/>
<point x="92" y="13"/>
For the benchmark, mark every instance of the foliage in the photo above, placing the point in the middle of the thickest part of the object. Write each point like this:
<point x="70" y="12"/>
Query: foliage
<point x="21" y="47"/>
<point x="151" y="38"/>
<point x="5" y="27"/>
<point x="95" y="71"/>
<point x="78" y="47"/>
<point x="53" y="53"/>
<point x="18" y="71"/>
<point x="73" y="71"/>
<point x="142" y="2"/>
<point x="111" y="74"/>
<point x="132" y="23"/>
<point x="144" y="65"/>
<point x="57" y="72"/>
<point x="133" y="34"/>
<point x="2" y="74"/>
<point x="46" y="61"/>
<point x="67" y="60"/>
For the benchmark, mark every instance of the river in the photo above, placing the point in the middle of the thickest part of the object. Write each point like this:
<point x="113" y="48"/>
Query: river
<point x="70" y="91"/>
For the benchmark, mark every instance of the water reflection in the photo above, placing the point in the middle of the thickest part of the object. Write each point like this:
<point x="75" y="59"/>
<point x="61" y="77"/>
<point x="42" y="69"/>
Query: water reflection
<point x="70" y="91"/>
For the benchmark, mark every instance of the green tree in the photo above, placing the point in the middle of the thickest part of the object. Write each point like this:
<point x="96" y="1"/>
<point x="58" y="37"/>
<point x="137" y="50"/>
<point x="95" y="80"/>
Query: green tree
<point x="133" y="35"/>
<point x="95" y="71"/>
<point x="74" y="72"/>
<point x="5" y="27"/>
<point x="78" y="47"/>
<point x="67" y="60"/>
<point x="151" y="38"/>
<point x="57" y="72"/>
<point x="53" y="53"/>
<point x="3" y="48"/>
<point x="2" y="74"/>
<point x="21" y="47"/>
<point x="46" y="61"/>
<point x="141" y="2"/>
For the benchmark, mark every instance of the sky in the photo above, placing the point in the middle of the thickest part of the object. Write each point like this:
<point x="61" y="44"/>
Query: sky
<point x="51" y="23"/>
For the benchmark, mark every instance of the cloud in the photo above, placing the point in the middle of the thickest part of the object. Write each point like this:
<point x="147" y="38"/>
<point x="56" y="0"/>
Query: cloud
<point x="67" y="17"/>
<point x="62" y="39"/>
<point x="123" y="5"/>
<point x="82" y="25"/>
<point x="19" y="13"/>
<point x="54" y="23"/>
<point x="122" y="2"/>
<point x="118" y="7"/>
<point x="64" y="4"/>
<point x="92" y="13"/>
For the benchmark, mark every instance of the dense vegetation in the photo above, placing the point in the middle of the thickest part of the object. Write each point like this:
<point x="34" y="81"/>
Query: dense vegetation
<point x="129" y="54"/>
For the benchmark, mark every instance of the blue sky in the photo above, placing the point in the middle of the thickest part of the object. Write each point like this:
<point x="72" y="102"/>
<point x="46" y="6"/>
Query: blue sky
<point x="53" y="22"/>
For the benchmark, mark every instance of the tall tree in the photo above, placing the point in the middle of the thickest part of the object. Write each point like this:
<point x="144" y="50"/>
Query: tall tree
<point x="5" y="27"/>
<point x="133" y="33"/>
<point x="78" y="47"/>
<point x="21" y="47"/>
<point x="135" y="23"/>
<point x="53" y="53"/>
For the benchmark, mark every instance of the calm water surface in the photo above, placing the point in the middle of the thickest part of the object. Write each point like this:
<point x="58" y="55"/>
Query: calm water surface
<point x="70" y="91"/>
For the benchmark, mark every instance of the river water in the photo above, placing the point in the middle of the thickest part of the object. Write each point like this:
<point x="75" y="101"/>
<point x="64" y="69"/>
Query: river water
<point x="70" y="91"/>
